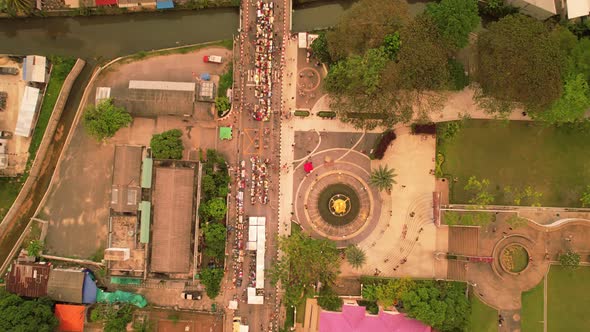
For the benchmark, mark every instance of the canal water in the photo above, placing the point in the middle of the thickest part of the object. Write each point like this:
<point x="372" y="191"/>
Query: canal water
<point x="100" y="38"/>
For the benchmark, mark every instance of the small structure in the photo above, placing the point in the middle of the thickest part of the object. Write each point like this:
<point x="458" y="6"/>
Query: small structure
<point x="35" y="69"/>
<point x="146" y="173"/>
<point x="125" y="255"/>
<point x="225" y="133"/>
<point x="540" y="9"/>
<point x="577" y="8"/>
<point x="164" y="4"/>
<point x="27" y="112"/>
<point x="70" y="317"/>
<point x="354" y="318"/>
<point x="71" y="285"/>
<point x="28" y="279"/>
<point x="173" y="204"/>
<point x="257" y="242"/>
<point x="206" y="91"/>
<point x="302" y="39"/>
<point x="308" y="167"/>
<point x="3" y="154"/>
<point x="102" y="93"/>
<point x="125" y="190"/>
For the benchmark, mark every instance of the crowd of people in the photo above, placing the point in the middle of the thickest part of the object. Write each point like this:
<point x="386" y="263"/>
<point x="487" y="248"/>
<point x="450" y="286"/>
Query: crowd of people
<point x="259" y="181"/>
<point x="263" y="60"/>
<point x="238" y="248"/>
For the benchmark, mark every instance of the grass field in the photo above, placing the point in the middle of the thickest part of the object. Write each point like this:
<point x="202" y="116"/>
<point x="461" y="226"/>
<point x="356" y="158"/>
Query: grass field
<point x="532" y="310"/>
<point x="10" y="187"/>
<point x="552" y="160"/>
<point x="568" y="299"/>
<point x="483" y="318"/>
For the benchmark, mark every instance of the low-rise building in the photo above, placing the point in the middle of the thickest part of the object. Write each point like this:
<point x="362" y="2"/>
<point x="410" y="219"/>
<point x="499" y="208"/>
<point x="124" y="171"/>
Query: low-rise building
<point x="28" y="279"/>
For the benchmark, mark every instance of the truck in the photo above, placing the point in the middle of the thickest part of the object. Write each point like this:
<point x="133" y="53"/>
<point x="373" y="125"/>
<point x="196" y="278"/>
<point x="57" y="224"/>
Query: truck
<point x="213" y="58"/>
<point x="8" y="71"/>
<point x="5" y="134"/>
<point x="191" y="295"/>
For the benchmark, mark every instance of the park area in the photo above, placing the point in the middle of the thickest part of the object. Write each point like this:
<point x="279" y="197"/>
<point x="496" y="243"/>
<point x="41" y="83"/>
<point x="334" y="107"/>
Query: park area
<point x="483" y="318"/>
<point x="551" y="160"/>
<point x="567" y="301"/>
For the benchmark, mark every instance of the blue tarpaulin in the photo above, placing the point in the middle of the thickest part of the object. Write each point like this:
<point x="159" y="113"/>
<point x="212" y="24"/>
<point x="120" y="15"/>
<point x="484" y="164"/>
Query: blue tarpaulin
<point x="89" y="290"/>
<point x="165" y="4"/>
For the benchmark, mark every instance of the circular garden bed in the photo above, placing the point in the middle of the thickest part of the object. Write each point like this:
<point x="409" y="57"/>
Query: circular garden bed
<point x="514" y="258"/>
<point x="326" y="199"/>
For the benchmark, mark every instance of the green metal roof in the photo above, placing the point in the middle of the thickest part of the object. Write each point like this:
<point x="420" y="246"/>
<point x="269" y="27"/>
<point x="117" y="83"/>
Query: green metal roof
<point x="125" y="281"/>
<point x="146" y="211"/>
<point x="146" y="173"/>
<point x="225" y="133"/>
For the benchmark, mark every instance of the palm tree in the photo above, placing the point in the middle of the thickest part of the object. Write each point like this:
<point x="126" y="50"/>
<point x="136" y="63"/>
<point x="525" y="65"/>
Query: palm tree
<point x="19" y="6"/>
<point x="383" y="178"/>
<point x="355" y="256"/>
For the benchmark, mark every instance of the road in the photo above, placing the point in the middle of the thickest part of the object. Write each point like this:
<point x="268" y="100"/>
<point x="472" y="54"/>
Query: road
<point x="260" y="140"/>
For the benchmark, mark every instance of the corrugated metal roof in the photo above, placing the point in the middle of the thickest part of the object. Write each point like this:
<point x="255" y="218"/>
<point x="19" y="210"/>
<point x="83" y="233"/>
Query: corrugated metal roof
<point x="34" y="69"/>
<point x="162" y="85"/>
<point x="102" y="93"/>
<point x="146" y="212"/>
<point x="66" y="285"/>
<point x="126" y="176"/>
<point x="146" y="173"/>
<point x="28" y="279"/>
<point x="27" y="111"/>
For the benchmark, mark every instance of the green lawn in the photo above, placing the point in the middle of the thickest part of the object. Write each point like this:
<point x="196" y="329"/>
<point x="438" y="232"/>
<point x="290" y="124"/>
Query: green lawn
<point x="554" y="161"/>
<point x="10" y="187"/>
<point x="532" y="310"/>
<point x="568" y="299"/>
<point x="483" y="318"/>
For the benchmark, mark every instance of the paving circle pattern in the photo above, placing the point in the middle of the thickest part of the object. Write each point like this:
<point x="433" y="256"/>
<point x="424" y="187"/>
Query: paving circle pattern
<point x="340" y="178"/>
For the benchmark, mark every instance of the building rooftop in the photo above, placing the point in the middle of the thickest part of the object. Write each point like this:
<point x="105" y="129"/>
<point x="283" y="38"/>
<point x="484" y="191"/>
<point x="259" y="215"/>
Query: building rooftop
<point x="70" y="317"/>
<point x="71" y="285"/>
<point x="126" y="191"/>
<point x="124" y="234"/>
<point x="172" y="201"/>
<point x="355" y="319"/>
<point x="155" y="98"/>
<point x="28" y="279"/>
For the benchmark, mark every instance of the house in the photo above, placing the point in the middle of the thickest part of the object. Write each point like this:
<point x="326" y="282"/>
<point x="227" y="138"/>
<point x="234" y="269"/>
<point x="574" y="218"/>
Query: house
<point x="70" y="317"/>
<point x="155" y="98"/>
<point x="72" y="285"/>
<point x="27" y="113"/>
<point x="125" y="189"/>
<point x="28" y="279"/>
<point x="35" y="69"/>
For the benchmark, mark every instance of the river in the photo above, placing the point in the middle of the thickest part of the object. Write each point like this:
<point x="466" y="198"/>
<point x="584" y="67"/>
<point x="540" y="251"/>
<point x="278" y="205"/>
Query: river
<point x="100" y="38"/>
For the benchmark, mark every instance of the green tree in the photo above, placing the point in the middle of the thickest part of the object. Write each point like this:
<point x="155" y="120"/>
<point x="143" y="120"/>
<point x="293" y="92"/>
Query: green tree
<point x="222" y="104"/>
<point x="573" y="103"/>
<point x="208" y="187"/>
<point x="585" y="199"/>
<point x="570" y="260"/>
<point x="357" y="74"/>
<point x="328" y="300"/>
<point x="215" y="236"/>
<point x="35" y="248"/>
<point x="15" y="7"/>
<point x="105" y="119"/>
<point x="519" y="62"/>
<point x="167" y="145"/>
<point x="516" y="222"/>
<point x="579" y="58"/>
<point x="320" y="50"/>
<point x="18" y="314"/>
<point x="211" y="279"/>
<point x="214" y="209"/>
<point x="442" y="305"/>
<point x="365" y="25"/>
<point x="391" y="45"/>
<point x="522" y="196"/>
<point x="455" y="19"/>
<point x="355" y="256"/>
<point x="480" y="190"/>
<point x="388" y="293"/>
<point x="304" y="262"/>
<point x="383" y="178"/>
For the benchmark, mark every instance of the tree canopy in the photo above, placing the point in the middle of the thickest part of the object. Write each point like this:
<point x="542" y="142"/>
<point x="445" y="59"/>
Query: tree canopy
<point x="167" y="145"/>
<point x="105" y="119"/>
<point x="355" y="256"/>
<point x="365" y="25"/>
<point x="480" y="189"/>
<point x="328" y="300"/>
<point x="18" y="314"/>
<point x="570" y="259"/>
<point x="214" y="209"/>
<point x="383" y="178"/>
<point x="320" y="50"/>
<point x="215" y="235"/>
<point x="304" y="262"/>
<point x="211" y="278"/>
<point x="519" y="62"/>
<point x="455" y="19"/>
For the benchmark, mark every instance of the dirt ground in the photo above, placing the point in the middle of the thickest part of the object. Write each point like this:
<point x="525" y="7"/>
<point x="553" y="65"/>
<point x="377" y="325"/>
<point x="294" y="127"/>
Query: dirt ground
<point x="78" y="204"/>
<point x="18" y="146"/>
<point x="180" y="321"/>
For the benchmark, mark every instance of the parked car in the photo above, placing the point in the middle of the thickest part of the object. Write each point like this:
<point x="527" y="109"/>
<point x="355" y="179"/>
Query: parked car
<point x="191" y="295"/>
<point x="5" y="134"/>
<point x="8" y="71"/>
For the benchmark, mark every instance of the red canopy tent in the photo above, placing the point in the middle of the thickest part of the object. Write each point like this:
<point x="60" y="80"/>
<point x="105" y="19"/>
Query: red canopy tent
<point x="308" y="167"/>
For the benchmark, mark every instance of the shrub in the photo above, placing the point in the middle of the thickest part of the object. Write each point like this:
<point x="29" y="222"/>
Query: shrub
<point x="211" y="279"/>
<point x="327" y="114"/>
<point x="301" y="113"/>
<point x="459" y="79"/>
<point x="570" y="260"/>
<point x="384" y="141"/>
<point x="105" y="119"/>
<point x="328" y="300"/>
<point x="214" y="209"/>
<point x="424" y="128"/>
<point x="222" y="105"/>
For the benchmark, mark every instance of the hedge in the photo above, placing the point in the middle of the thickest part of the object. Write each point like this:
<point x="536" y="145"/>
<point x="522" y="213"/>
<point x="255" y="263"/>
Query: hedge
<point x="384" y="141"/>
<point x="327" y="114"/>
<point x="302" y="113"/>
<point x="427" y="128"/>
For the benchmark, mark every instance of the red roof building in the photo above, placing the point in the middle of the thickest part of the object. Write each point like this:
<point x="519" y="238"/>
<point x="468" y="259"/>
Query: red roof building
<point x="28" y="279"/>
<point x="355" y="319"/>
<point x="71" y="317"/>
<point x="105" y="2"/>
